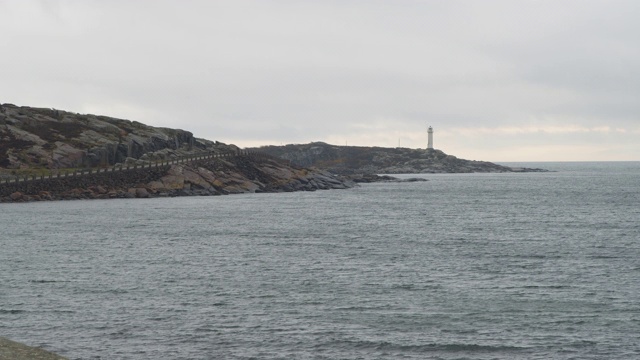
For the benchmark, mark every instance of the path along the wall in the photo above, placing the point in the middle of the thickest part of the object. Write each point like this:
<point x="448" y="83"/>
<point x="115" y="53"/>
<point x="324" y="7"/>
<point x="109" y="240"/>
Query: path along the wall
<point x="115" y="176"/>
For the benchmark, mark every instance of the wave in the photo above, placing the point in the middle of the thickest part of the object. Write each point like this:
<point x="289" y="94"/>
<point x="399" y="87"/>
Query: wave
<point x="11" y="311"/>
<point x="600" y="256"/>
<point x="431" y="347"/>
<point x="544" y="287"/>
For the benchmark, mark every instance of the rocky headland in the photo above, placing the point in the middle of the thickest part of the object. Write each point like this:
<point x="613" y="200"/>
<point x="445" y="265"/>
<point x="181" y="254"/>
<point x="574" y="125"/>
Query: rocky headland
<point x="42" y="144"/>
<point x="350" y="160"/>
<point x="42" y="138"/>
<point x="50" y="154"/>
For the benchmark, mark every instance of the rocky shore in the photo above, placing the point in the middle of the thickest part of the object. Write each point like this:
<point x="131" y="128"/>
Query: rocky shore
<point x="36" y="143"/>
<point x="236" y="175"/>
<point x="40" y="143"/>
<point x="371" y="178"/>
<point x="11" y="350"/>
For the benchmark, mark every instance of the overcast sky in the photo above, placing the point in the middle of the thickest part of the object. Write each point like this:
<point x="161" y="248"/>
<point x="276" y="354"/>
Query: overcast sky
<point x="512" y="80"/>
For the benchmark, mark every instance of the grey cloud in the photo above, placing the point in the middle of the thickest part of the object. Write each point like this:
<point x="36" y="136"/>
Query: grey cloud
<point x="291" y="71"/>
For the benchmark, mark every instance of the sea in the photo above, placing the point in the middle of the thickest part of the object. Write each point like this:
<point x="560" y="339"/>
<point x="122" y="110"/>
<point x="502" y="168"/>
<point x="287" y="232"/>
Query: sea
<point x="462" y="266"/>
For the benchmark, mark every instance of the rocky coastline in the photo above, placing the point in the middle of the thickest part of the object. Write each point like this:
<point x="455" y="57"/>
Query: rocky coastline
<point x="39" y="144"/>
<point x="372" y="178"/>
<point x="235" y="175"/>
<point x="11" y="350"/>
<point x="348" y="160"/>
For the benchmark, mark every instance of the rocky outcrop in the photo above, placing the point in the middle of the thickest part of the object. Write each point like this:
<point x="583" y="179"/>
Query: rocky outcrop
<point x="219" y="176"/>
<point x="41" y="147"/>
<point x="16" y="351"/>
<point x="377" y="160"/>
<point x="371" y="178"/>
<point x="51" y="139"/>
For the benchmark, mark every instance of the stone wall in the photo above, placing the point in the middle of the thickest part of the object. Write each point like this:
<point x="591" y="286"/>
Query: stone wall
<point x="109" y="182"/>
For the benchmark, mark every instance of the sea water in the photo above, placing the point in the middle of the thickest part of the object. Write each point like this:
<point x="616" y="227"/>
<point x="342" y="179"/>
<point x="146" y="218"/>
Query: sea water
<point x="463" y="266"/>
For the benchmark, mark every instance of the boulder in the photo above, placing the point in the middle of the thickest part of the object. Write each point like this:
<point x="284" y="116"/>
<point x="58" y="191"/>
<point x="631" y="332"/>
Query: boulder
<point x="142" y="193"/>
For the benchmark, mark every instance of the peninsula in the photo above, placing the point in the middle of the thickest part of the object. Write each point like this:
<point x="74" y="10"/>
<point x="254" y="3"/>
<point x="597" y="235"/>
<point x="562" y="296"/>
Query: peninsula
<point x="50" y="154"/>
<point x="349" y="160"/>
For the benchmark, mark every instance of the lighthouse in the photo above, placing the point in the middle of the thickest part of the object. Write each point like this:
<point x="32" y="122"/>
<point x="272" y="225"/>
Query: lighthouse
<point x="430" y="143"/>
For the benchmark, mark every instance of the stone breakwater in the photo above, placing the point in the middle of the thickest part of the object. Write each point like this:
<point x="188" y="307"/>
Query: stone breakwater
<point x="210" y="176"/>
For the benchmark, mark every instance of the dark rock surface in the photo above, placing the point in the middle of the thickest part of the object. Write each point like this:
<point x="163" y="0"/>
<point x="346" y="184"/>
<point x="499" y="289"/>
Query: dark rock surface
<point x="371" y="178"/>
<point x="378" y="160"/>
<point x="11" y="350"/>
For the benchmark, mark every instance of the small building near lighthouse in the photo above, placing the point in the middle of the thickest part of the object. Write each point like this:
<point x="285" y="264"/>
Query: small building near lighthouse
<point x="430" y="141"/>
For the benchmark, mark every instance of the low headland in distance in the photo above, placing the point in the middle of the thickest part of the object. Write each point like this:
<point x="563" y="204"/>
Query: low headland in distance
<point x="353" y="160"/>
<point x="49" y="154"/>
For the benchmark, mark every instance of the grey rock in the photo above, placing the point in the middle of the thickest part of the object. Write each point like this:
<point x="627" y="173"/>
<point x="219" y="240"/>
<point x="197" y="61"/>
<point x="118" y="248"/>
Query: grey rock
<point x="60" y="139"/>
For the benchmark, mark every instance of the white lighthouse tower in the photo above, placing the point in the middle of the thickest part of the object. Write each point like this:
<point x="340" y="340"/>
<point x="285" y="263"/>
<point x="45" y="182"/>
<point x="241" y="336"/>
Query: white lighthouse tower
<point x="430" y="143"/>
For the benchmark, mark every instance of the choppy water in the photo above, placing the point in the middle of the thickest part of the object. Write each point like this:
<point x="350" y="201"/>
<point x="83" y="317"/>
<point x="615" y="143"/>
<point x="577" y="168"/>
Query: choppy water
<point x="473" y="266"/>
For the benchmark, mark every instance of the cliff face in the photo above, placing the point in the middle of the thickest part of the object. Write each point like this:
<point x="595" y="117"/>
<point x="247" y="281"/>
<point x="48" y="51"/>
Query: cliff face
<point x="377" y="160"/>
<point x="52" y="139"/>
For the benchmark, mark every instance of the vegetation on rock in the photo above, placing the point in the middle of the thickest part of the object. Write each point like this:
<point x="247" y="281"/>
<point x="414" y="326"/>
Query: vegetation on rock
<point x="53" y="139"/>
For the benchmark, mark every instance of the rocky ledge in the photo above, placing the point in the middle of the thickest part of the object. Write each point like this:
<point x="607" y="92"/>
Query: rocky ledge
<point x="371" y="178"/>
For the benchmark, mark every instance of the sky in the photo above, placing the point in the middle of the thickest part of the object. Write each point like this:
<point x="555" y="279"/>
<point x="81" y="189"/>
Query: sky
<point x="499" y="80"/>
